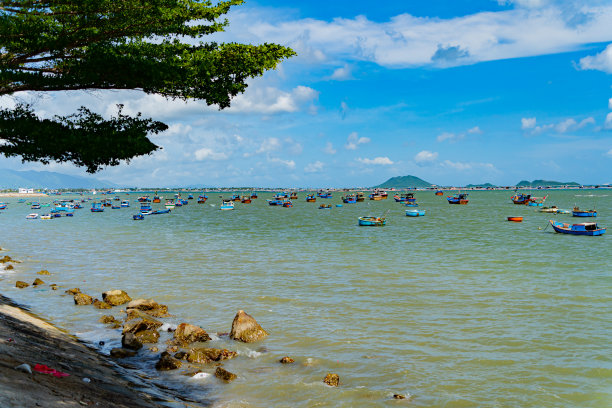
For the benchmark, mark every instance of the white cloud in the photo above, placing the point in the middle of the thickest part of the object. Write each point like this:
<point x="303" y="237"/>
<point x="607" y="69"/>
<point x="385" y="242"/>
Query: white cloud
<point x="599" y="62"/>
<point x="445" y="136"/>
<point x="329" y="148"/>
<point x="269" y="145"/>
<point x="475" y="131"/>
<point x="206" y="153"/>
<point x="610" y="103"/>
<point x="528" y="123"/>
<point x="290" y="164"/>
<point x="353" y="141"/>
<point x="342" y="74"/>
<point x="609" y="153"/>
<point x="271" y="100"/>
<point x="463" y="166"/>
<point x="608" y="122"/>
<point x="383" y="161"/>
<point x="293" y="147"/>
<point x="315" y="167"/>
<point x="425" y="156"/>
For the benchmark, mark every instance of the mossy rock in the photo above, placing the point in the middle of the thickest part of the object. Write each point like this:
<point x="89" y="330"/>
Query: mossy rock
<point x="81" y="299"/>
<point x="332" y="379"/>
<point x="147" y="336"/>
<point x="21" y="284"/>
<point x="6" y="259"/>
<point x="73" y="291"/>
<point x="115" y="297"/>
<point x="101" y="305"/>
<point x="9" y="267"/>
<point x="107" y="319"/>
<point x="186" y="334"/>
<point x="225" y="375"/>
<point x="43" y="272"/>
<point x="142" y="324"/>
<point x="246" y="329"/>
<point x="208" y="355"/>
<point x="286" y="360"/>
<point x="119" y="352"/>
<point x="167" y="362"/>
<point x="37" y="282"/>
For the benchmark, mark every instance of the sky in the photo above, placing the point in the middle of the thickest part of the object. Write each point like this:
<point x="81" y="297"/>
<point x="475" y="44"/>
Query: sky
<point x="453" y="92"/>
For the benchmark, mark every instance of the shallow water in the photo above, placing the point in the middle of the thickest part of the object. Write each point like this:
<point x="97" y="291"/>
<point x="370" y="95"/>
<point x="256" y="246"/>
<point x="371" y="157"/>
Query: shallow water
<point x="459" y="308"/>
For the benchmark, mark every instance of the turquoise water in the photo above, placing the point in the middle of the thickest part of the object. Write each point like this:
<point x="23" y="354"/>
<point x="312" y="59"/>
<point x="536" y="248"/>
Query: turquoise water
<point x="459" y="308"/>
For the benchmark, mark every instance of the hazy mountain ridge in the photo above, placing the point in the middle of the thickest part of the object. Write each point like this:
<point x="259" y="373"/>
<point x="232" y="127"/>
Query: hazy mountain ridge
<point x="12" y="179"/>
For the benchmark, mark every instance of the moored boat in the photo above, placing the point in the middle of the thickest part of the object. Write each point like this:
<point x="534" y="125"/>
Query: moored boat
<point x="577" y="212"/>
<point x="138" y="216"/>
<point x="287" y="204"/>
<point x="349" y="199"/>
<point x="3" y="206"/>
<point x="202" y="199"/>
<point x="169" y="204"/>
<point x="46" y="217"/>
<point x="439" y="193"/>
<point x="515" y="219"/>
<point x="157" y="199"/>
<point x="310" y="198"/>
<point x="125" y="203"/>
<point x="32" y="216"/>
<point x="585" y="228"/>
<point x="372" y="221"/>
<point x="156" y="212"/>
<point x="246" y="199"/>
<point x="227" y="205"/>
<point x="415" y="213"/>
<point x="520" y="198"/>
<point x="325" y="207"/>
<point x="97" y="207"/>
<point x="460" y="198"/>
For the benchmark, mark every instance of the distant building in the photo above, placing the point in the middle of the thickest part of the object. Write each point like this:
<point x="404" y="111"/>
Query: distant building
<point x="26" y="191"/>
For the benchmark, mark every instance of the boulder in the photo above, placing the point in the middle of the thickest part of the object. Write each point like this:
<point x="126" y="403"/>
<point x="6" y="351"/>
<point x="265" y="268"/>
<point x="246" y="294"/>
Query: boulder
<point x="106" y="319"/>
<point x="21" y="284"/>
<point x="154" y="349"/>
<point x="53" y="286"/>
<point x="119" y="352"/>
<point x="208" y="355"/>
<point x="246" y="329"/>
<point x="149" y="306"/>
<point x="37" y="282"/>
<point x="147" y="323"/>
<point x="73" y="291"/>
<point x="399" y="396"/>
<point x="81" y="299"/>
<point x="9" y="267"/>
<point x="186" y="334"/>
<point x="225" y="375"/>
<point x="147" y="336"/>
<point x="115" y="297"/>
<point x="101" y="305"/>
<point x="167" y="362"/>
<point x="43" y="272"/>
<point x="130" y="341"/>
<point x="6" y="259"/>
<point x="332" y="379"/>
<point x="286" y="360"/>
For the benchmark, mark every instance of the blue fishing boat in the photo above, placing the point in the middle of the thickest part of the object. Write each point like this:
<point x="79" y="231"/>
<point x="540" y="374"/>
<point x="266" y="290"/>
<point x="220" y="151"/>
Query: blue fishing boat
<point x="372" y="221"/>
<point x="202" y="199"/>
<point x="97" y="207"/>
<point x="460" y="198"/>
<point x="156" y="212"/>
<point x="125" y="203"/>
<point x="138" y="217"/>
<point x="276" y="201"/>
<point x="415" y="213"/>
<point x="408" y="197"/>
<point x="349" y="199"/>
<point x="577" y="212"/>
<point x="413" y="204"/>
<point x="227" y="205"/>
<point x="585" y="228"/>
<point x="35" y="206"/>
<point x="521" y="198"/>
<point x="115" y="207"/>
<point x="338" y="205"/>
<point x="190" y="197"/>
<point x="324" y="194"/>
<point x="287" y="204"/>
<point x="69" y="214"/>
<point x="310" y="198"/>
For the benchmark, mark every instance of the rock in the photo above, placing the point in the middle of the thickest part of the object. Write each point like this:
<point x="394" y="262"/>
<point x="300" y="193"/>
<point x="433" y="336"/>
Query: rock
<point x="208" y="355"/>
<point x="21" y="284"/>
<point x="38" y="282"/>
<point x="115" y="297"/>
<point x="225" y="375"/>
<point x="106" y="319"/>
<point x="82" y="299"/>
<point x="130" y="341"/>
<point x="399" y="396"/>
<point x="167" y="362"/>
<point x="246" y="329"/>
<point x="119" y="352"/>
<point x="286" y="360"/>
<point x="181" y="355"/>
<point x="147" y="336"/>
<point x="142" y="324"/>
<point x="9" y="267"/>
<point x="73" y="291"/>
<point x="6" y="259"/>
<point x="172" y="349"/>
<point x="186" y="334"/>
<point x="53" y="286"/>
<point x="101" y="305"/>
<point x="24" y="368"/>
<point x="149" y="306"/>
<point x="43" y="272"/>
<point x="332" y="380"/>
<point x="154" y="349"/>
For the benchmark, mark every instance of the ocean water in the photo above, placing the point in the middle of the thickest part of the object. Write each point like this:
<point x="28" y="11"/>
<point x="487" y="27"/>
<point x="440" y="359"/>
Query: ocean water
<point x="459" y="308"/>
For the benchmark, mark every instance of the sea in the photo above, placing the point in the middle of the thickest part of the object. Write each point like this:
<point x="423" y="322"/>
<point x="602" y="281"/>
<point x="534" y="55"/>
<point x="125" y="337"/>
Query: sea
<point x="458" y="308"/>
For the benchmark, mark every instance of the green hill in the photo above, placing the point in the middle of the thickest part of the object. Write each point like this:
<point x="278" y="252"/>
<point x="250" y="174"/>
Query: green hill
<point x="404" y="182"/>
<point x="545" y="183"/>
<point x="485" y="185"/>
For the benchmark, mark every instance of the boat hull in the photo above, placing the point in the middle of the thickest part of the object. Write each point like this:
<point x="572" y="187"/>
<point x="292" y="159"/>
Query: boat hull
<point x="371" y="222"/>
<point x="415" y="213"/>
<point x="515" y="219"/>
<point x="584" y="213"/>
<point x="589" y="229"/>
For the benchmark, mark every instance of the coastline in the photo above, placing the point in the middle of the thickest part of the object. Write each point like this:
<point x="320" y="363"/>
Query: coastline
<point x="94" y="379"/>
<point x="19" y="195"/>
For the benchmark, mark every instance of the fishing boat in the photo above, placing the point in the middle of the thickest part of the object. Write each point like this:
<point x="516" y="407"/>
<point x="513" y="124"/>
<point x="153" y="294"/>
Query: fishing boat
<point x="202" y="199"/>
<point x="521" y="198"/>
<point x="144" y="199"/>
<point x="293" y="196"/>
<point x="325" y="207"/>
<point x="276" y="201"/>
<point x="339" y="205"/>
<point x="3" y="206"/>
<point x="408" y="197"/>
<point x="515" y="219"/>
<point x="125" y="203"/>
<point x="69" y="213"/>
<point x="235" y="197"/>
<point x="360" y="197"/>
<point x="310" y="198"/>
<point x="585" y="228"/>
<point x="324" y="194"/>
<point x="412" y="204"/>
<point x="577" y="212"/>
<point x="156" y="199"/>
<point x="439" y="193"/>
<point x="35" y="206"/>
<point x="415" y="213"/>
<point x="31" y="216"/>
<point x="349" y="199"/>
<point x="372" y="221"/>
<point x="375" y="197"/>
<point x="190" y="196"/>
<point x="245" y="199"/>
<point x="156" y="212"/>
<point x="178" y="202"/>
<point x="459" y="198"/>
<point x="96" y="207"/>
<point x="169" y="204"/>
<point x="46" y="217"/>
<point x="138" y="217"/>
<point x="253" y="195"/>
<point x="227" y="205"/>
<point x="549" y="210"/>
<point x="287" y="204"/>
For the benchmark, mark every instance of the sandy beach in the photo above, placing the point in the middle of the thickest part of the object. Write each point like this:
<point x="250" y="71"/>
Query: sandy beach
<point x="93" y="380"/>
<point x="26" y="196"/>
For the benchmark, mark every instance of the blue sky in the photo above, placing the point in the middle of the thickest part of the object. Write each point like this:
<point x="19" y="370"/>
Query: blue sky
<point x="454" y="92"/>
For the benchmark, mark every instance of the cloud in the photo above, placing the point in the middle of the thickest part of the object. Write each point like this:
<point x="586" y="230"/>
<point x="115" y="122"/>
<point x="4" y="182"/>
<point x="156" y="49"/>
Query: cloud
<point x="329" y="148"/>
<point x="608" y="122"/>
<point x="290" y="164"/>
<point x="269" y="145"/>
<point x="463" y="166"/>
<point x="353" y="141"/>
<point x="528" y="123"/>
<point x="446" y="136"/>
<point x="383" y="161"/>
<point x="425" y="156"/>
<point x="206" y="153"/>
<point x="271" y="100"/>
<point x="315" y="167"/>
<point x="342" y="74"/>
<point x="609" y="153"/>
<point x="344" y="108"/>
<point x="598" y="62"/>
<point x="610" y="103"/>
<point x="475" y="131"/>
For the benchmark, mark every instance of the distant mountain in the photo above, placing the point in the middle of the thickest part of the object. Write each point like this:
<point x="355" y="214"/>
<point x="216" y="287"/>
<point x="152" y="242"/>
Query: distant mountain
<point x="404" y="182"/>
<point x="485" y="185"/>
<point x="545" y="183"/>
<point x="48" y="179"/>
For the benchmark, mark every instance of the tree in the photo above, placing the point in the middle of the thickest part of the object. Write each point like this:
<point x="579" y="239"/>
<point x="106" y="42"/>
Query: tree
<point x="153" y="46"/>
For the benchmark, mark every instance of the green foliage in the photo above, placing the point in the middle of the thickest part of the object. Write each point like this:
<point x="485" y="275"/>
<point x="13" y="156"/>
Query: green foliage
<point x="404" y="182"/>
<point x="154" y="46"/>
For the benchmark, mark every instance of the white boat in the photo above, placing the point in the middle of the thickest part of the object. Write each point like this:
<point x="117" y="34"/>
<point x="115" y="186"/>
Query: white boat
<point x="169" y="204"/>
<point x="227" y="205"/>
<point x="32" y="216"/>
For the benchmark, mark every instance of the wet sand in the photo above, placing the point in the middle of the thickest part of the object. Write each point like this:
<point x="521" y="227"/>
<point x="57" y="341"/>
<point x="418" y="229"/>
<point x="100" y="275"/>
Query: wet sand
<point x="93" y="379"/>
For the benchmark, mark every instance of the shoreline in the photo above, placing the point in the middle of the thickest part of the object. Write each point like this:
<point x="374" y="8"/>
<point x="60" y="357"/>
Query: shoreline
<point x="94" y="379"/>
